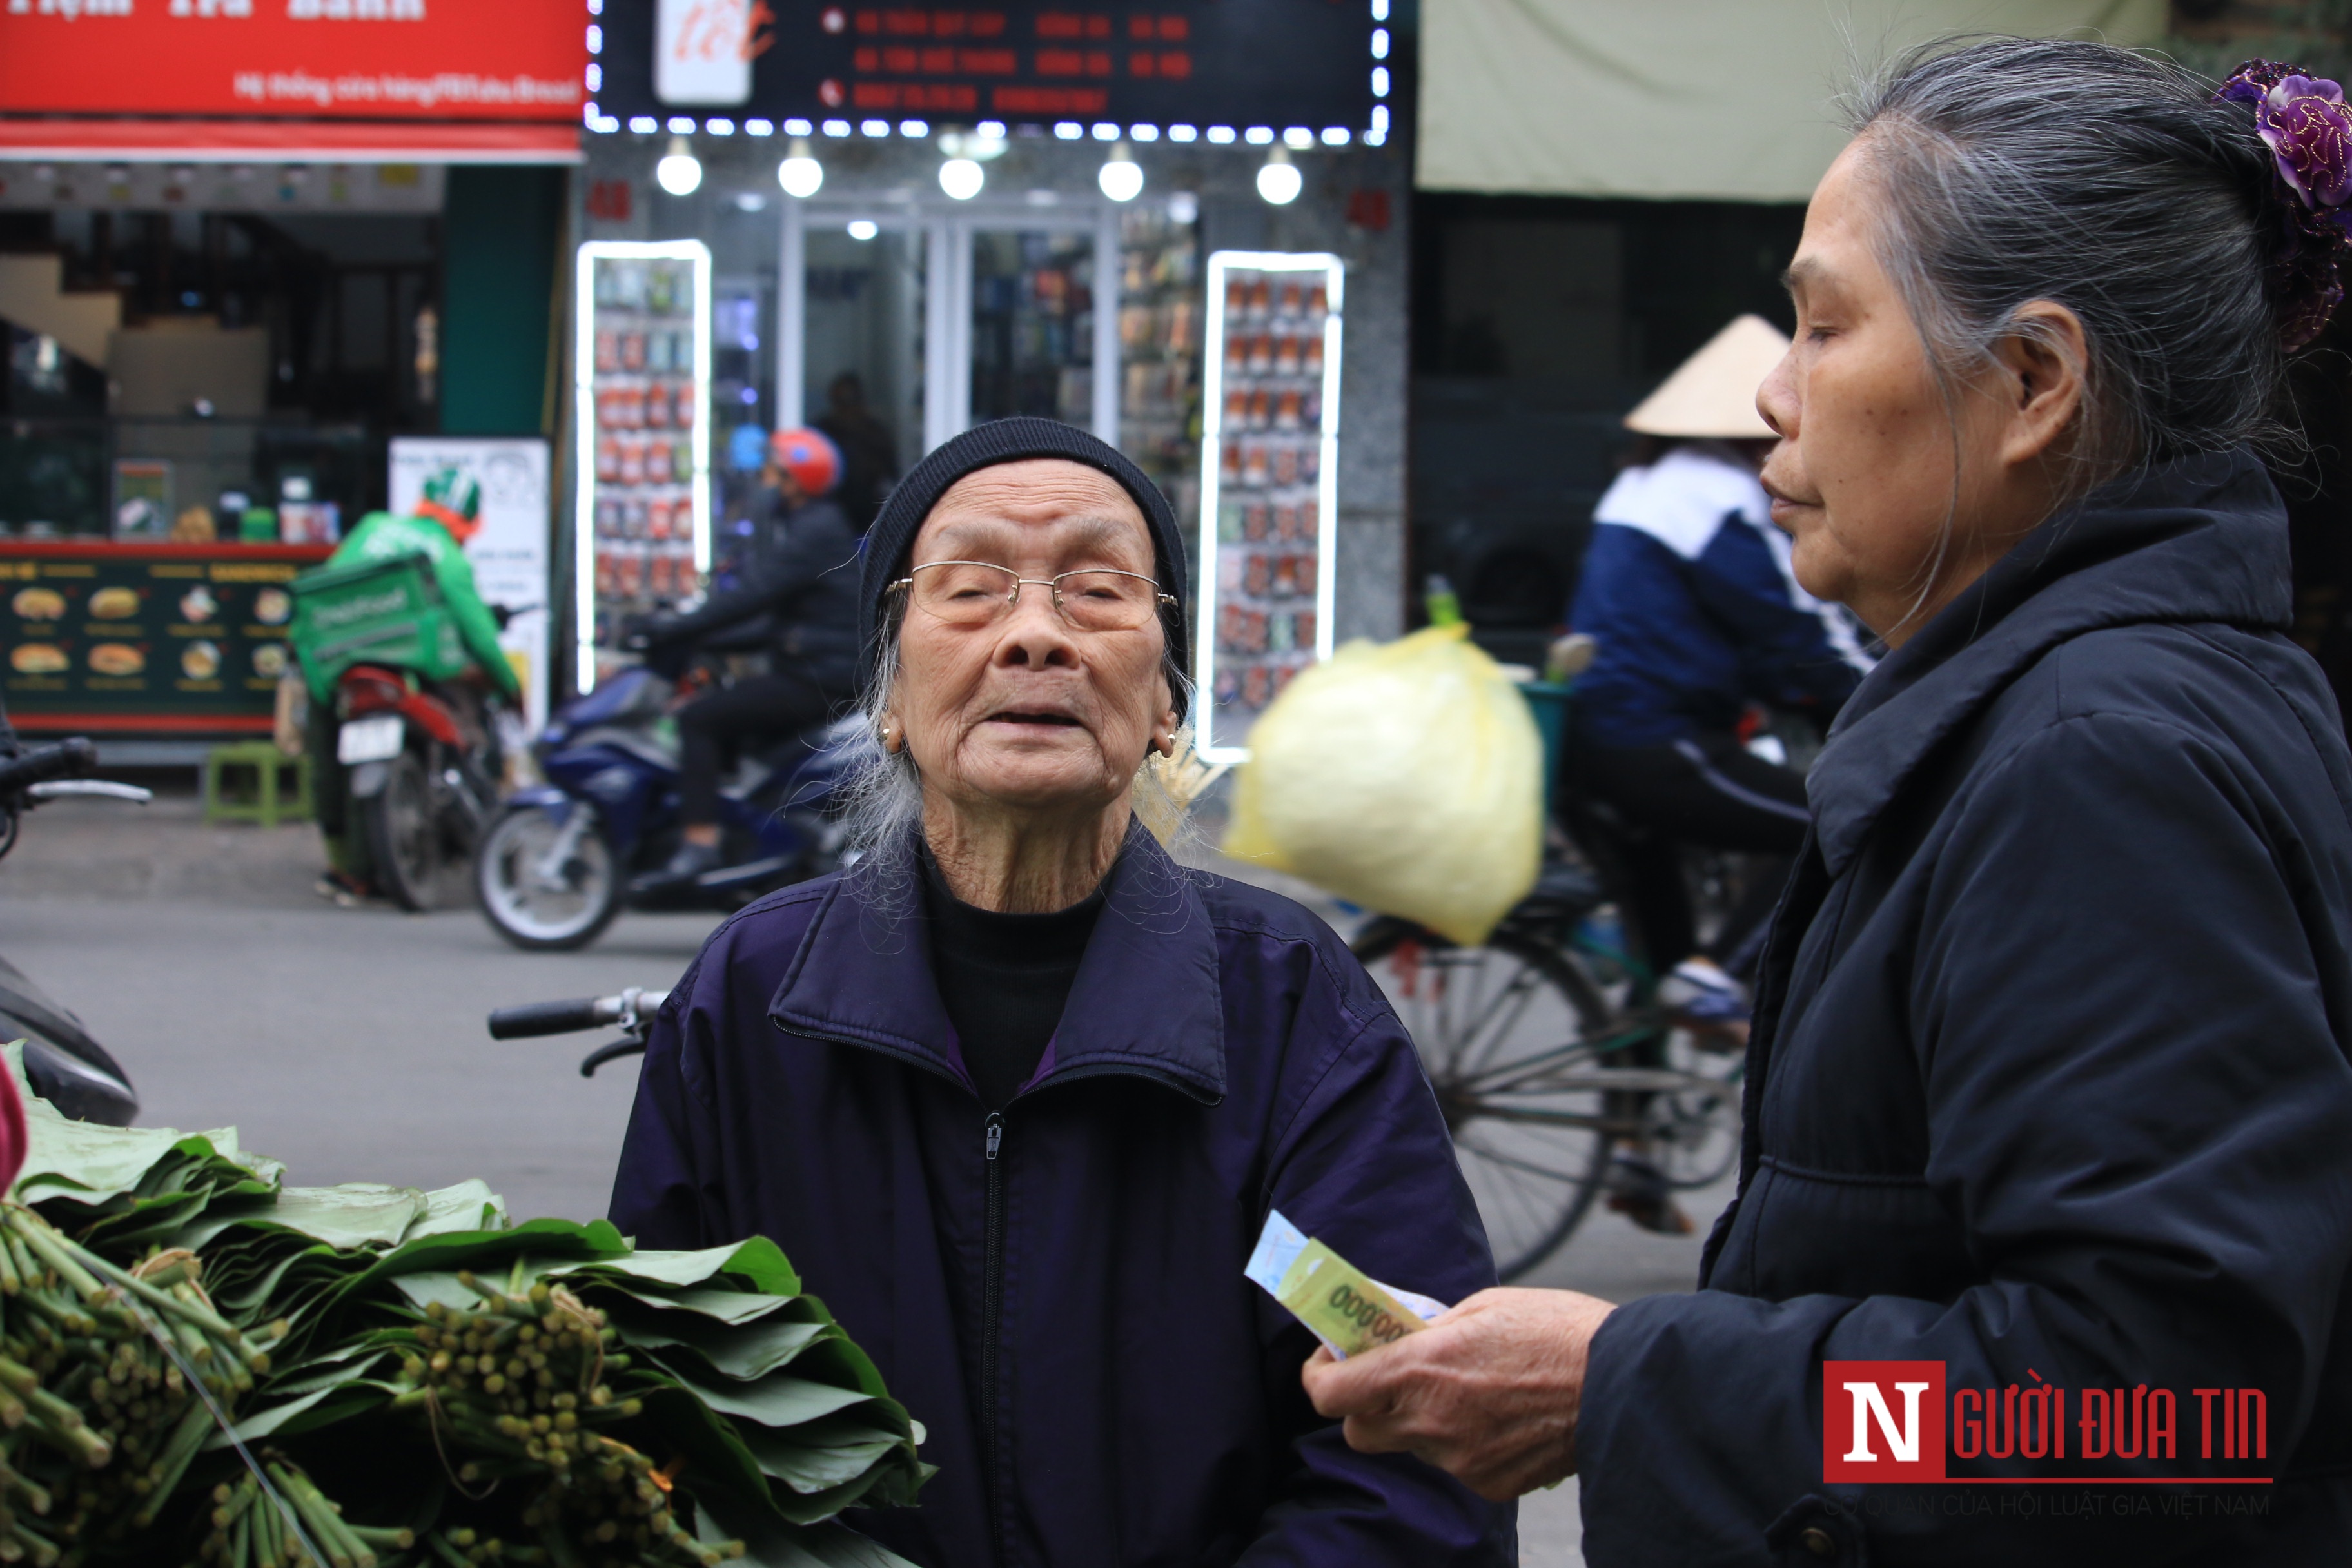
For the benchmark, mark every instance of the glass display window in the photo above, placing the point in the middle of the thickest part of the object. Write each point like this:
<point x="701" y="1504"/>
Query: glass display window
<point x="642" y="433"/>
<point x="1269" y="484"/>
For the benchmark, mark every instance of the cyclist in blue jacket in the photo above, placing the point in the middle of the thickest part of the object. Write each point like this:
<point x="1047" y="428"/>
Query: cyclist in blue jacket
<point x="1686" y="589"/>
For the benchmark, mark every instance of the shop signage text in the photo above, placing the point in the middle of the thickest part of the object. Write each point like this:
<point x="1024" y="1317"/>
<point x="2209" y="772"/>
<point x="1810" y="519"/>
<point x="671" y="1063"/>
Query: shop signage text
<point x="377" y="60"/>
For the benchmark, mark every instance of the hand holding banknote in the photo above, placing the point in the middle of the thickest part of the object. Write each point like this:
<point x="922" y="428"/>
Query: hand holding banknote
<point x="1348" y="1309"/>
<point x="1488" y="1393"/>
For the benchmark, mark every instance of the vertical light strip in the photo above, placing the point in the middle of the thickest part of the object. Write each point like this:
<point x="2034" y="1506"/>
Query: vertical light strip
<point x="1110" y="279"/>
<point x="938" y="335"/>
<point x="583" y="504"/>
<point x="699" y="255"/>
<point x="792" y="318"/>
<point x="1213" y="416"/>
<point x="1327" y="543"/>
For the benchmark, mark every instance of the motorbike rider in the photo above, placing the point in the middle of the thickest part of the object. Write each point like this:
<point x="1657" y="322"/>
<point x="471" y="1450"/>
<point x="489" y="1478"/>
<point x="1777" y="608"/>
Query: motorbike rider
<point x="800" y="573"/>
<point x="1686" y="589"/>
<point x="446" y="515"/>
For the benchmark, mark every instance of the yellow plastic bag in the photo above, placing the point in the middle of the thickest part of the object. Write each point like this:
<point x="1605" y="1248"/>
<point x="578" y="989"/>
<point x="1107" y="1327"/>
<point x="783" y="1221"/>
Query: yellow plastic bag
<point x="1405" y="776"/>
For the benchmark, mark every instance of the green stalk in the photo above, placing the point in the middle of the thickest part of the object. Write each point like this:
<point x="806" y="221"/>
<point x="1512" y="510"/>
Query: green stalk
<point x="182" y="1449"/>
<point x="39" y="1547"/>
<point x="382" y="1538"/>
<point x="234" y="1507"/>
<point x="267" y="1529"/>
<point x="341" y="1549"/>
<point x="55" y="1251"/>
<point x="21" y="1259"/>
<point x="240" y="1541"/>
<point x="31" y="1490"/>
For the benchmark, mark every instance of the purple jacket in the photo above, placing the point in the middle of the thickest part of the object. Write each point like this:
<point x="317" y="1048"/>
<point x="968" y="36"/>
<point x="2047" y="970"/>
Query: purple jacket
<point x="1055" y="1292"/>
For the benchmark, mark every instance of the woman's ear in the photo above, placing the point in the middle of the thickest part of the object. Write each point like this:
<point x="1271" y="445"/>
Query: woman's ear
<point x="2040" y="380"/>
<point x="1164" y="741"/>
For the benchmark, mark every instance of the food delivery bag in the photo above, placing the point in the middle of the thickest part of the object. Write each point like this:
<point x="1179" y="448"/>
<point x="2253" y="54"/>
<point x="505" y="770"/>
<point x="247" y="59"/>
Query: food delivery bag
<point x="1405" y="776"/>
<point x="380" y="612"/>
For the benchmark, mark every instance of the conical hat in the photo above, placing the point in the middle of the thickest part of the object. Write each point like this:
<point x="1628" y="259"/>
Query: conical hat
<point x="1713" y="394"/>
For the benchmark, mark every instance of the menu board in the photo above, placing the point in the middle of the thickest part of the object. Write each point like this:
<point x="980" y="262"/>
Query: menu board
<point x="146" y="636"/>
<point x="644" y="439"/>
<point x="1270" y="477"/>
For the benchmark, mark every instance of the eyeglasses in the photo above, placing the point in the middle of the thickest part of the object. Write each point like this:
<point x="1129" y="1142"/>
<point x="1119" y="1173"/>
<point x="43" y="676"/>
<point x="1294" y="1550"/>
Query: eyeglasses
<point x="969" y="593"/>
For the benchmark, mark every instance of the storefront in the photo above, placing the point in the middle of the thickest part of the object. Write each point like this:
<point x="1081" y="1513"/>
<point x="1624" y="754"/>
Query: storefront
<point x="247" y="248"/>
<point x="895" y="224"/>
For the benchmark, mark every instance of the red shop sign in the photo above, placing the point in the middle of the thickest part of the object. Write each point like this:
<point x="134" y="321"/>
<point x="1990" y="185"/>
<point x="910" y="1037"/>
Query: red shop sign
<point x="373" y="59"/>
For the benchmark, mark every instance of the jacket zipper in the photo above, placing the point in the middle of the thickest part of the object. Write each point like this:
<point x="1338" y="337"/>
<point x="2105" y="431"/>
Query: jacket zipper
<point x="992" y="1316"/>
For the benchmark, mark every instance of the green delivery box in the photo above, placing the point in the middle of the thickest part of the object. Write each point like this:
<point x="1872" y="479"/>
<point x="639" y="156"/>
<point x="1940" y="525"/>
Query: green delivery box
<point x="373" y="612"/>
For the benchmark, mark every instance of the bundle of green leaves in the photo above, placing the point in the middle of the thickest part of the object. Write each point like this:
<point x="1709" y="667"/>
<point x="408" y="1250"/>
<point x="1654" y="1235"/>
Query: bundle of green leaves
<point x="203" y="1364"/>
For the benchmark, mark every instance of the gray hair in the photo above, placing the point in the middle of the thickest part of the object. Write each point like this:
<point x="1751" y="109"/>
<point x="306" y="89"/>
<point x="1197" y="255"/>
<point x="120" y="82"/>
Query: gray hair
<point x="883" y="790"/>
<point x="2011" y="170"/>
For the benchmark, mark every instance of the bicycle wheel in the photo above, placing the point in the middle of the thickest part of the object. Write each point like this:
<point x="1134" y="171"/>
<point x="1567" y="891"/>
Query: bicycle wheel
<point x="1517" y="1039"/>
<point x="1692" y="1130"/>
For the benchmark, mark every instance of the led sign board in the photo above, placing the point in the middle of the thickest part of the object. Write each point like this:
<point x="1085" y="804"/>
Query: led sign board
<point x="1278" y="63"/>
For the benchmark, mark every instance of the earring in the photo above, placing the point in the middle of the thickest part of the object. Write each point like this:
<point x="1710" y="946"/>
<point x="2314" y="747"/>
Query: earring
<point x="890" y="741"/>
<point x="1165" y="745"/>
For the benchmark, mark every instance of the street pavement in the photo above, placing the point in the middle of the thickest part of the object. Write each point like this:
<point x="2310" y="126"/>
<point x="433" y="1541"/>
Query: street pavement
<point x="350" y="1044"/>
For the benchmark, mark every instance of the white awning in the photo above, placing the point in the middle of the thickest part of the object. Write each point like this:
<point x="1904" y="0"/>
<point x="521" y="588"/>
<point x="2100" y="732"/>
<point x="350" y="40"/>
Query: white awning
<point x="1707" y="100"/>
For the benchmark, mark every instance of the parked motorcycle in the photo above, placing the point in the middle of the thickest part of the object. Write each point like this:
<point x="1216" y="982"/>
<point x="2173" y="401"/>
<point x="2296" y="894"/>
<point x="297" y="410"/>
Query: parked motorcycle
<point x="419" y="734"/>
<point x="426" y="762"/>
<point x="556" y="866"/>
<point x="65" y="1065"/>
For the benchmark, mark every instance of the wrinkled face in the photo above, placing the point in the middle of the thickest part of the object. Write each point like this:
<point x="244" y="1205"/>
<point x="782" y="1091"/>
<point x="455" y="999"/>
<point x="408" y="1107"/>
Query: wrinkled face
<point x="1863" y="478"/>
<point x="1028" y="711"/>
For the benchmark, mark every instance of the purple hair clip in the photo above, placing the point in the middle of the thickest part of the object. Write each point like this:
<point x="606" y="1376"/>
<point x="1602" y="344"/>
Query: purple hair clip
<point x="2308" y="128"/>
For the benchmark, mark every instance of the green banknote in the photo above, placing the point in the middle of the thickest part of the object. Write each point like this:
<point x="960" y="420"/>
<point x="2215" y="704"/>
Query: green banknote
<point x="1346" y="1309"/>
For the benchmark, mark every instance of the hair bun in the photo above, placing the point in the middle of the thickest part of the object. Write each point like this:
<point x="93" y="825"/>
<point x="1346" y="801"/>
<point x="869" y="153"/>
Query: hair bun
<point x="2305" y="122"/>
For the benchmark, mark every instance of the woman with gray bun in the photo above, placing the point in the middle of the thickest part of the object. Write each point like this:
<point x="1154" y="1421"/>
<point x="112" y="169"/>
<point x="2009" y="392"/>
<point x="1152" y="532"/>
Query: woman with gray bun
<point x="2048" y="1166"/>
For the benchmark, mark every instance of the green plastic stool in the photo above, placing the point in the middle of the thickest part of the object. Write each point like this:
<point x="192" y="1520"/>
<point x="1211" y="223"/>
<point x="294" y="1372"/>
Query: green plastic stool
<point x="265" y="805"/>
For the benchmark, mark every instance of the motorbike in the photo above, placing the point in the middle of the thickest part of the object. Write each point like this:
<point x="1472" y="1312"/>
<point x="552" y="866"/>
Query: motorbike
<point x="425" y="769"/>
<point x="63" y="1064"/>
<point x="556" y="866"/>
<point x="420" y="738"/>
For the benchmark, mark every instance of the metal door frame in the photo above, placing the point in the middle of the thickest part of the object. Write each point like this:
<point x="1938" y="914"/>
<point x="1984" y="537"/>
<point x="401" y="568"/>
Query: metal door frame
<point x="947" y="228"/>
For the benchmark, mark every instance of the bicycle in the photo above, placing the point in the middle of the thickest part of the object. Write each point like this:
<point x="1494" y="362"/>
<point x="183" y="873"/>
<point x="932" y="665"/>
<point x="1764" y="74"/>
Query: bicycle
<point x="1550" y="1056"/>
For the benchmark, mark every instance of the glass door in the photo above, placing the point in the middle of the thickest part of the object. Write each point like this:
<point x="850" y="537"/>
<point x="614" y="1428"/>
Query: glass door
<point x="862" y="328"/>
<point x="1032" y="333"/>
<point x="938" y="318"/>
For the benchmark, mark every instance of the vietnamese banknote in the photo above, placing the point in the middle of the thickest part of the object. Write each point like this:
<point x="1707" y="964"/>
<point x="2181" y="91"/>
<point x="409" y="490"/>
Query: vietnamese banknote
<point x="1347" y="1309"/>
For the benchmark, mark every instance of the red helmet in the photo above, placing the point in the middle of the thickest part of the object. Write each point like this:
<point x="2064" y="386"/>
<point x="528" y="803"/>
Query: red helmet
<point x="809" y="456"/>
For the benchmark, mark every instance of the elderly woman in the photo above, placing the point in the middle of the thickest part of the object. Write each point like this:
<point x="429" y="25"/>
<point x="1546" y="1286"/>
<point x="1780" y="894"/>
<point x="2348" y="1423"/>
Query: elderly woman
<point x="2048" y="1088"/>
<point x="1017" y="1092"/>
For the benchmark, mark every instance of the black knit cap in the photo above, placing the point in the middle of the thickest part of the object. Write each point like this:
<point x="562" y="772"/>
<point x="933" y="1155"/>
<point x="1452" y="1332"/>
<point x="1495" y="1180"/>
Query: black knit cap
<point x="891" y="541"/>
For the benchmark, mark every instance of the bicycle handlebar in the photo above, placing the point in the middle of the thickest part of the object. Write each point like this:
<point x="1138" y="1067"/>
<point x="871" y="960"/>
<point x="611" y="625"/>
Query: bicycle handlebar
<point x="632" y="1010"/>
<point x="63" y="759"/>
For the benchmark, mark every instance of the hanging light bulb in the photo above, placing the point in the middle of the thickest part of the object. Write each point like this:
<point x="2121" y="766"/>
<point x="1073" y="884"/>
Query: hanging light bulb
<point x="1122" y="178"/>
<point x="679" y="172"/>
<point x="800" y="173"/>
<point x="1279" y="181"/>
<point x="961" y="178"/>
